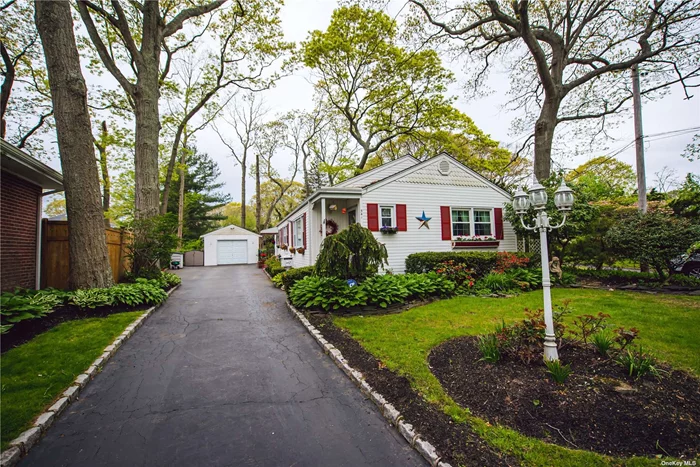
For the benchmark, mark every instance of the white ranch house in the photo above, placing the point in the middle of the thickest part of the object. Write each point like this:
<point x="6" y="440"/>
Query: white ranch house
<point x="466" y="211"/>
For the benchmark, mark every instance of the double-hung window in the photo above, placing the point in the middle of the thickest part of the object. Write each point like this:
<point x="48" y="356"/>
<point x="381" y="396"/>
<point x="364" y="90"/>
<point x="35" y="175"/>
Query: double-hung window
<point x="387" y="216"/>
<point x="474" y="222"/>
<point x="299" y="233"/>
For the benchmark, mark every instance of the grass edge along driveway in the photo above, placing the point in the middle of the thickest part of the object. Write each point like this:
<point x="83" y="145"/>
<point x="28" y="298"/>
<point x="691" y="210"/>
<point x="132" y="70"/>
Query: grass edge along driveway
<point x="35" y="373"/>
<point x="403" y="341"/>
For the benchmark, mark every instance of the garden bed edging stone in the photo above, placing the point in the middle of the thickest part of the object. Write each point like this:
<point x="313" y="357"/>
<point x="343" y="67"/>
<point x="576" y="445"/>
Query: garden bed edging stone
<point x="21" y="445"/>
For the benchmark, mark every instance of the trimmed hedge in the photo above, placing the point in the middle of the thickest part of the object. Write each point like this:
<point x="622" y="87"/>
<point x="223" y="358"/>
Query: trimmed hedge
<point x="615" y="276"/>
<point x="481" y="262"/>
<point x="290" y="277"/>
<point x="274" y="270"/>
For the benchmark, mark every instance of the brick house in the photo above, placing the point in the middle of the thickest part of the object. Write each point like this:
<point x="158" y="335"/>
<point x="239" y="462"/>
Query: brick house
<point x="22" y="186"/>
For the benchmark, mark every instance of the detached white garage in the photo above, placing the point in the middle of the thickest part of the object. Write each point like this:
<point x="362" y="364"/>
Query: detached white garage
<point x="230" y="245"/>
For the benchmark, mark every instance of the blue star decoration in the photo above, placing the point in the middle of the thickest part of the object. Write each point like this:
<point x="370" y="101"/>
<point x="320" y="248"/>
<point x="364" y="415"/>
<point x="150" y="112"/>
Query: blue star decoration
<point x="424" y="221"/>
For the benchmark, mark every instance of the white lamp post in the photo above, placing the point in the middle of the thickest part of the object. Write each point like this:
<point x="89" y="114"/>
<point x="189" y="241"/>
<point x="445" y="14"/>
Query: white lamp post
<point x="564" y="200"/>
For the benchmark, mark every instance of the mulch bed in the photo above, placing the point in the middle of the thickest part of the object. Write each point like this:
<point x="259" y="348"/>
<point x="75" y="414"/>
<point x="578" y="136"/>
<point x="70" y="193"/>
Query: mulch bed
<point x="457" y="443"/>
<point x="26" y="330"/>
<point x="598" y="408"/>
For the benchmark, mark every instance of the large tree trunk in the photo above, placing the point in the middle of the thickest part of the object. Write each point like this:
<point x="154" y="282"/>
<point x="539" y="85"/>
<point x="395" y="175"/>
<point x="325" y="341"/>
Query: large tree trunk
<point x="147" y="116"/>
<point x="89" y="261"/>
<point x="544" y="135"/>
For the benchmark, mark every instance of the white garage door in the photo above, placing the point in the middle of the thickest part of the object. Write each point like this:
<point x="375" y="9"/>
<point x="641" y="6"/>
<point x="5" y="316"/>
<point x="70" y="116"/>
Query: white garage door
<point x="232" y="252"/>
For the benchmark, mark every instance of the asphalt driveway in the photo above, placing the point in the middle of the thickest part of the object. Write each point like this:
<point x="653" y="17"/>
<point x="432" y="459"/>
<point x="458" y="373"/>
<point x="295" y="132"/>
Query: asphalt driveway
<point x="222" y="375"/>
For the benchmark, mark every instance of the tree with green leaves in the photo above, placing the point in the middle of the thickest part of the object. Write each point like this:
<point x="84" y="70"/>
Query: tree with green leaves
<point x="353" y="253"/>
<point x="202" y="196"/>
<point x="686" y="203"/>
<point x="467" y="143"/>
<point x="129" y="41"/>
<point x="26" y="111"/>
<point x="249" y="46"/>
<point x="604" y="178"/>
<point x="231" y="215"/>
<point x="380" y="89"/>
<point x="275" y="202"/>
<point x="655" y="238"/>
<point x="569" y="61"/>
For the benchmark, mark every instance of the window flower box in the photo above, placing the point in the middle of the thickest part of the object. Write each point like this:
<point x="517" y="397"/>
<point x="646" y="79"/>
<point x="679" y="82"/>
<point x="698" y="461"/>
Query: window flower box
<point x="475" y="242"/>
<point x="389" y="230"/>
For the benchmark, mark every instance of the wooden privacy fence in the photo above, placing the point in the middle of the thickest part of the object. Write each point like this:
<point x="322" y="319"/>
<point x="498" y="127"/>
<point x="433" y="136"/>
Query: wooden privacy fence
<point x="54" y="253"/>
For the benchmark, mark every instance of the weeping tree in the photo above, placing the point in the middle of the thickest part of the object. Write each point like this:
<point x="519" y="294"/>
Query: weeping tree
<point x="352" y="253"/>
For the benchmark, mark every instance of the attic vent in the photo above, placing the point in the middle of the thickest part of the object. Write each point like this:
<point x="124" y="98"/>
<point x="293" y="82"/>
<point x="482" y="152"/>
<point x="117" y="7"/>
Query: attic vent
<point x="444" y="167"/>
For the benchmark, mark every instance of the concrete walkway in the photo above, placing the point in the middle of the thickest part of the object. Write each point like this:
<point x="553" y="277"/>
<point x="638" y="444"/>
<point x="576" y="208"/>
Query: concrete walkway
<point x="222" y="375"/>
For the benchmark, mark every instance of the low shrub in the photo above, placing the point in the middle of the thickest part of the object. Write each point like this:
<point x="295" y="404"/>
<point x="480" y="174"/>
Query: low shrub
<point x="457" y="273"/>
<point x="274" y="270"/>
<point x="151" y="292"/>
<point x="684" y="281"/>
<point x="16" y="307"/>
<point x="506" y="260"/>
<point x="480" y="262"/>
<point x="427" y="285"/>
<point x="272" y="262"/>
<point x="92" y="298"/>
<point x="489" y="348"/>
<point x="638" y="363"/>
<point x="327" y="293"/>
<point x="170" y="279"/>
<point x="277" y="280"/>
<point x="291" y="276"/>
<point x="526" y="279"/>
<point x="566" y="279"/>
<point x="496" y="283"/>
<point x="384" y="290"/>
<point x="557" y="370"/>
<point x="615" y="276"/>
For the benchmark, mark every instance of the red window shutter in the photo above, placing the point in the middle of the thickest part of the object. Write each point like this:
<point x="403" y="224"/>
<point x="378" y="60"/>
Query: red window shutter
<point x="446" y="222"/>
<point x="373" y="217"/>
<point x="289" y="235"/>
<point x="303" y="222"/>
<point x="401" y="221"/>
<point x="498" y="221"/>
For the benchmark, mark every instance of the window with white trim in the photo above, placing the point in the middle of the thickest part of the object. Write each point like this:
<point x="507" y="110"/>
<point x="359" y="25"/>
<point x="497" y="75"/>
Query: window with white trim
<point x="285" y="240"/>
<point x="482" y="222"/>
<point x="472" y="222"/>
<point x="461" y="226"/>
<point x="298" y="228"/>
<point x="386" y="216"/>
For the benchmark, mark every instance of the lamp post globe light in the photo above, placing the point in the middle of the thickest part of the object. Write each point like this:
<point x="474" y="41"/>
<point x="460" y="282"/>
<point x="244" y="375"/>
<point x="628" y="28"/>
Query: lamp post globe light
<point x="563" y="200"/>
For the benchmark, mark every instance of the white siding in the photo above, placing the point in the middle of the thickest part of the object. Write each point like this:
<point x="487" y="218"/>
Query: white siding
<point x="210" y="247"/>
<point x="298" y="260"/>
<point x="429" y="198"/>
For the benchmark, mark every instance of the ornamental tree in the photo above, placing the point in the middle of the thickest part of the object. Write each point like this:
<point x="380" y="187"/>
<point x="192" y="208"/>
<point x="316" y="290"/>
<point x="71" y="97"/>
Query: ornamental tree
<point x="382" y="90"/>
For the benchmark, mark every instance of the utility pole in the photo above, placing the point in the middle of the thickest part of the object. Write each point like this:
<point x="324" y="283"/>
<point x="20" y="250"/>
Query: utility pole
<point x="639" y="142"/>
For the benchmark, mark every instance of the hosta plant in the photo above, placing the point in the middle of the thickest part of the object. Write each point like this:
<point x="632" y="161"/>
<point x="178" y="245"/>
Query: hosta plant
<point x="326" y="293"/>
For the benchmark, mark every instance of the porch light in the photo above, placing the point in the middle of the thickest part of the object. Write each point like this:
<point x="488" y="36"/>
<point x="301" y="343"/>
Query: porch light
<point x="521" y="202"/>
<point x="564" y="197"/>
<point x="538" y="196"/>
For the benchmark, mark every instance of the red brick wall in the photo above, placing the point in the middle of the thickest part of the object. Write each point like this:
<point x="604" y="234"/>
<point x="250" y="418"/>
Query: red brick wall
<point x="18" y="219"/>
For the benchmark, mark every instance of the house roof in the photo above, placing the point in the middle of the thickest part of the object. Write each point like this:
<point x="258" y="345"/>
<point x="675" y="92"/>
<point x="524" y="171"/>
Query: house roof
<point x="379" y="173"/>
<point x="230" y="230"/>
<point x="394" y="170"/>
<point x="23" y="165"/>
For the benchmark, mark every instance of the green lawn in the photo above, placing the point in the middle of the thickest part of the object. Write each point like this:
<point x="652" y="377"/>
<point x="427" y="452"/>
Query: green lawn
<point x="668" y="325"/>
<point x="35" y="373"/>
